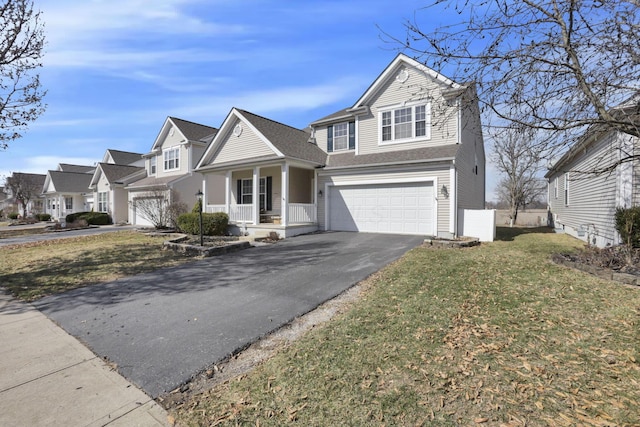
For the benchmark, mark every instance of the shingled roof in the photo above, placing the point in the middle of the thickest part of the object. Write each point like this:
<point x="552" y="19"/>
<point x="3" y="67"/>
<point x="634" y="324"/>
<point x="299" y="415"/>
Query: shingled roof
<point x="70" y="182"/>
<point x="425" y="154"/>
<point x="288" y="140"/>
<point x="66" y="167"/>
<point x="124" y="157"/>
<point x="194" y="131"/>
<point x="113" y="173"/>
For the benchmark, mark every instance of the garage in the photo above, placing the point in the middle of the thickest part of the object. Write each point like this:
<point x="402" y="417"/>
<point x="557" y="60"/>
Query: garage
<point x="406" y="208"/>
<point x="140" y="206"/>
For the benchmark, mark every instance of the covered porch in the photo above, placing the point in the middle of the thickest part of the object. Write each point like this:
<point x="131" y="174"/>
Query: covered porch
<point x="261" y="199"/>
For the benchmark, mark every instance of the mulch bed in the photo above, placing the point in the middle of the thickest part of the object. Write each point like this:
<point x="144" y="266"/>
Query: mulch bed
<point x="617" y="263"/>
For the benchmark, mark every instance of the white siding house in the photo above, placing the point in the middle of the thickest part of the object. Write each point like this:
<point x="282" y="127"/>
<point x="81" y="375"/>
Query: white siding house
<point x="405" y="158"/>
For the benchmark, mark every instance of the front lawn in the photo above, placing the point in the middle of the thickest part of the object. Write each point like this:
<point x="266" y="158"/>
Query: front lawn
<point x="491" y="335"/>
<point x="33" y="270"/>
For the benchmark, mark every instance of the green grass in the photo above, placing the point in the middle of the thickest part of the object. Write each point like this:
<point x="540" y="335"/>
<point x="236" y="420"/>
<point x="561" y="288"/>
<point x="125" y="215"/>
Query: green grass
<point x="34" y="270"/>
<point x="491" y="335"/>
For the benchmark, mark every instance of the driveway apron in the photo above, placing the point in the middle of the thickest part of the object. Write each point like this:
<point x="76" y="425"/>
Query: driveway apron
<point x="162" y="328"/>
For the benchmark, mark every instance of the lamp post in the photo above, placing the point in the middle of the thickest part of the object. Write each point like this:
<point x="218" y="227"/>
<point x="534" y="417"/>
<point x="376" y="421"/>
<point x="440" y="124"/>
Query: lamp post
<point x="199" y="196"/>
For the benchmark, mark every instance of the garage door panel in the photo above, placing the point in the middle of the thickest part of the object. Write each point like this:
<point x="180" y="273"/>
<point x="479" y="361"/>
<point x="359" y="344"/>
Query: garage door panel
<point x="388" y="208"/>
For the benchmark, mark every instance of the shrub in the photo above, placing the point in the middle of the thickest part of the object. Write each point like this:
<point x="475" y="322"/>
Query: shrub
<point x="92" y="218"/>
<point x="628" y="225"/>
<point x="13" y="215"/>
<point x="43" y="217"/>
<point x="213" y="224"/>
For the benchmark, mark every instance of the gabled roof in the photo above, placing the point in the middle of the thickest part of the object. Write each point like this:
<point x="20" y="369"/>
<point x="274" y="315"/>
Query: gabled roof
<point x="193" y="131"/>
<point x="114" y="173"/>
<point x="628" y="110"/>
<point x="291" y="142"/>
<point x="285" y="141"/>
<point x="68" y="182"/>
<point x="35" y="179"/>
<point x="436" y="153"/>
<point x="66" y="167"/>
<point x="122" y="157"/>
<point x="401" y="60"/>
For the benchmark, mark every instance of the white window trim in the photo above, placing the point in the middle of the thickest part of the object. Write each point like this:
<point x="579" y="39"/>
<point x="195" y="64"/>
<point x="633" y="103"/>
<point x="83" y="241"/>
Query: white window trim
<point x="333" y="129"/>
<point x="262" y="194"/>
<point x="555" y="188"/>
<point x="566" y="189"/>
<point x="165" y="161"/>
<point x="104" y="202"/>
<point x="153" y="165"/>
<point x="413" y="138"/>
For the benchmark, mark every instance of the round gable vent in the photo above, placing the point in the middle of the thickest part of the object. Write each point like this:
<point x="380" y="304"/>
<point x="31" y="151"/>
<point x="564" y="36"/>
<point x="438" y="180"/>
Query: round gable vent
<point x="403" y="75"/>
<point x="237" y="131"/>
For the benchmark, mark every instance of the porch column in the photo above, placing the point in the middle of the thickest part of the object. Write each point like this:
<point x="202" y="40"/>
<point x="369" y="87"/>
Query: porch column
<point x="227" y="193"/>
<point x="204" y="193"/>
<point x="255" y="198"/>
<point x="284" y="210"/>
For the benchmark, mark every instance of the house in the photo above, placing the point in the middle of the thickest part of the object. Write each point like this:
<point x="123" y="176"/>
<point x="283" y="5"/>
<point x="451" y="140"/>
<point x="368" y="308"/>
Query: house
<point x="406" y="157"/>
<point x="66" y="190"/>
<point x="588" y="182"/>
<point x="111" y="176"/>
<point x="169" y="166"/>
<point x="24" y="186"/>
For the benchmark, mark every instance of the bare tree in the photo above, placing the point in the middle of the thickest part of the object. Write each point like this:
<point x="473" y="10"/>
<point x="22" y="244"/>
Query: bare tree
<point x="21" y="45"/>
<point x="25" y="187"/>
<point x="159" y="206"/>
<point x="519" y="162"/>
<point x="557" y="66"/>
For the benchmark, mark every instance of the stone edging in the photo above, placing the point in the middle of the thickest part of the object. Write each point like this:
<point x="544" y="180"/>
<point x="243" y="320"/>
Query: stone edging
<point x="626" y="278"/>
<point x="444" y="243"/>
<point x="206" y="251"/>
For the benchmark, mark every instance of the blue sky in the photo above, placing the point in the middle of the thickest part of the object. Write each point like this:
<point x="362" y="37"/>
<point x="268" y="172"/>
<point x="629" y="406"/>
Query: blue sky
<point x="114" y="70"/>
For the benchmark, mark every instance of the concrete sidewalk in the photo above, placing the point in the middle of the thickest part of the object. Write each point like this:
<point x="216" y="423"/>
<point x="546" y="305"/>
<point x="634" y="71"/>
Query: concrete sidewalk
<point x="48" y="378"/>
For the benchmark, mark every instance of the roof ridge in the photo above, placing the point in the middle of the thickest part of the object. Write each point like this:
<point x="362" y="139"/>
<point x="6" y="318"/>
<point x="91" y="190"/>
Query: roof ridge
<point x="270" y="120"/>
<point x="192" y="122"/>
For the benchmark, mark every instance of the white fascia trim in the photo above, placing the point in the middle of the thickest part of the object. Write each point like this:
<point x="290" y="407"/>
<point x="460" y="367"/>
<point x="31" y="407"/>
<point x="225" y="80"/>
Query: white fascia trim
<point x="386" y="74"/>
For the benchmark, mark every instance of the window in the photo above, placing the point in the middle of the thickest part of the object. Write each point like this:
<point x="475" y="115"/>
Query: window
<point x="566" y="189"/>
<point x="152" y="165"/>
<point x="103" y="202"/>
<point x="555" y="188"/>
<point x="68" y="203"/>
<point x="405" y="123"/>
<point x="172" y="158"/>
<point x="341" y="137"/>
<point x="245" y="193"/>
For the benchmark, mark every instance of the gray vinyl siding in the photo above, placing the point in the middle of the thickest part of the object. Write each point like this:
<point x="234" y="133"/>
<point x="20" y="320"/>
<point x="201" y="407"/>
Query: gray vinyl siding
<point x="393" y="93"/>
<point x="592" y="198"/>
<point x="247" y="145"/>
<point x="374" y="176"/>
<point x="471" y="184"/>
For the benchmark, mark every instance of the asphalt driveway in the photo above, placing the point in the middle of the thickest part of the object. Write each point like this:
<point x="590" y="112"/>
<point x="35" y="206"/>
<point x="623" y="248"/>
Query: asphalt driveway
<point x="164" y="327"/>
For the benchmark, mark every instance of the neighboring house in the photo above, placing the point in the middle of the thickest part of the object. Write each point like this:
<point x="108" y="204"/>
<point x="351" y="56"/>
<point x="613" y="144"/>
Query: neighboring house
<point x="24" y="185"/>
<point x="109" y="194"/>
<point x="407" y="157"/>
<point x="583" y="203"/>
<point x="111" y="176"/>
<point x="66" y="190"/>
<point x="170" y="168"/>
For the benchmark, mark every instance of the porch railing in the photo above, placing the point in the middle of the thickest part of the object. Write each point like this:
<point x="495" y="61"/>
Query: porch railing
<point x="299" y="213"/>
<point x="302" y="213"/>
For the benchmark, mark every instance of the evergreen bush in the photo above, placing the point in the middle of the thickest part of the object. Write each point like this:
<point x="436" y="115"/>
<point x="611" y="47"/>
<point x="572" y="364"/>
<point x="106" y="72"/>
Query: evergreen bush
<point x="213" y="224"/>
<point x="628" y="225"/>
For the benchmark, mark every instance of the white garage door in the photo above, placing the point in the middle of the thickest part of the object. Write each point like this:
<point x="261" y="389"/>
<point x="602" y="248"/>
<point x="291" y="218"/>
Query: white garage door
<point x="139" y="218"/>
<point x="382" y="208"/>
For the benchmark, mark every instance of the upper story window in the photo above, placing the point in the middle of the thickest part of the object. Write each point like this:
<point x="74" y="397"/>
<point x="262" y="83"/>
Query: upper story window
<point x="406" y="123"/>
<point x="152" y="165"/>
<point x="171" y="158"/>
<point x="341" y="137"/>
